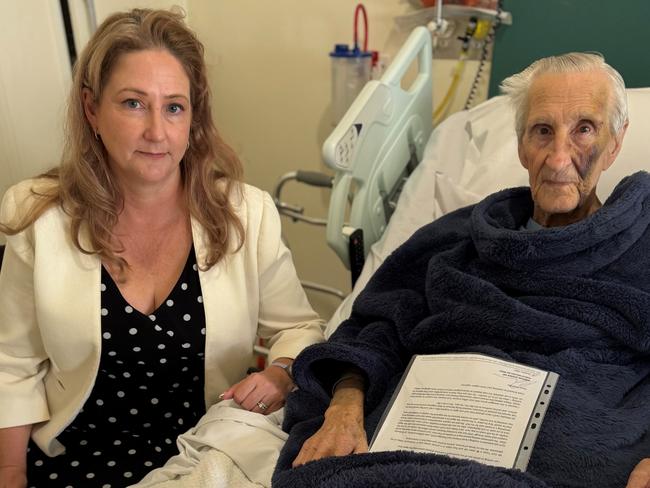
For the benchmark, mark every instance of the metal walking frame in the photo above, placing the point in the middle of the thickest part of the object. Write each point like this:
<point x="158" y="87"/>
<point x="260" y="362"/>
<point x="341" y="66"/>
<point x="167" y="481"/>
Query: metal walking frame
<point x="297" y="213"/>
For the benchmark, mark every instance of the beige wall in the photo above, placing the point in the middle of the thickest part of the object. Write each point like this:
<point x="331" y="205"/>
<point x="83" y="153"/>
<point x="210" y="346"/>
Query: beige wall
<point x="103" y="8"/>
<point x="270" y="76"/>
<point x="34" y="79"/>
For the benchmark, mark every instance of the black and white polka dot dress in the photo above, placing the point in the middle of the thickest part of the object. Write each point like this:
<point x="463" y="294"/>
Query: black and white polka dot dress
<point x="149" y="389"/>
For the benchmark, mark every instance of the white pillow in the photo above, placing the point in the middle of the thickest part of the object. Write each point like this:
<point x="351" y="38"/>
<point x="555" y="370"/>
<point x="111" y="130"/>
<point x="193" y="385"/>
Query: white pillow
<point x="635" y="153"/>
<point x="492" y="162"/>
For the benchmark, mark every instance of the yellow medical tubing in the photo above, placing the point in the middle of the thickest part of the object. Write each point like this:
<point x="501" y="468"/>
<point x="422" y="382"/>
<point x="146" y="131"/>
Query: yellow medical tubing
<point x="458" y="71"/>
<point x="482" y="29"/>
<point x="475" y="29"/>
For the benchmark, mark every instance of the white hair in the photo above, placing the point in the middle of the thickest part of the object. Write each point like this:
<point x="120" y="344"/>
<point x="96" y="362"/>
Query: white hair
<point x="517" y="86"/>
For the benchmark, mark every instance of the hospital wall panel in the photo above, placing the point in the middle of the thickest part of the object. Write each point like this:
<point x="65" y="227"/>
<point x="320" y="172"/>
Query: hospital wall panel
<point x="618" y="30"/>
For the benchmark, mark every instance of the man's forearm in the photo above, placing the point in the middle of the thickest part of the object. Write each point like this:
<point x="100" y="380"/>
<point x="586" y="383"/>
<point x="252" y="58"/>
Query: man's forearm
<point x="348" y="397"/>
<point x="352" y="377"/>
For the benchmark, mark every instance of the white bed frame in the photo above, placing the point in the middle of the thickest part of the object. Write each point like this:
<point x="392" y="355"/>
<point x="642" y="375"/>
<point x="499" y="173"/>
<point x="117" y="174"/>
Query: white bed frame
<point x="375" y="147"/>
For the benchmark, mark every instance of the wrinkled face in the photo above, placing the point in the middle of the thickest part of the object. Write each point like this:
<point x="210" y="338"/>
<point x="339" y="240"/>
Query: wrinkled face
<point x="144" y="117"/>
<point x="567" y="143"/>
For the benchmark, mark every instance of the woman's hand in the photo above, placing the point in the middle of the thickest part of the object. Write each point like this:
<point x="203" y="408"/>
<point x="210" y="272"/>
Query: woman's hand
<point x="13" y="477"/>
<point x="640" y="476"/>
<point x="342" y="431"/>
<point x="263" y="392"/>
<point x="13" y="456"/>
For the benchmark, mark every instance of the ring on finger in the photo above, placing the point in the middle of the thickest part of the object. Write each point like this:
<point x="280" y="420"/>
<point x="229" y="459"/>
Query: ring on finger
<point x="262" y="406"/>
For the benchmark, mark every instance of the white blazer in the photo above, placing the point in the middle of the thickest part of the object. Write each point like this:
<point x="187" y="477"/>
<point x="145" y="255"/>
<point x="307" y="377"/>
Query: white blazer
<point x="50" y="322"/>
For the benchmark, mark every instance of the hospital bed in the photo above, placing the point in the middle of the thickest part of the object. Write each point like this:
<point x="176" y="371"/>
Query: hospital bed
<point x="468" y="156"/>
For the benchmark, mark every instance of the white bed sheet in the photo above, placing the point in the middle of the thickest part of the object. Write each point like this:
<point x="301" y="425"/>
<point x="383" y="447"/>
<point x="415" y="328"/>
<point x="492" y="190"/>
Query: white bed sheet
<point x="473" y="154"/>
<point x="228" y="447"/>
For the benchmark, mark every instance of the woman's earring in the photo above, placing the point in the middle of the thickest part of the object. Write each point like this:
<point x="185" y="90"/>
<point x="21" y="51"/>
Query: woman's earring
<point x="96" y="135"/>
<point x="188" y="145"/>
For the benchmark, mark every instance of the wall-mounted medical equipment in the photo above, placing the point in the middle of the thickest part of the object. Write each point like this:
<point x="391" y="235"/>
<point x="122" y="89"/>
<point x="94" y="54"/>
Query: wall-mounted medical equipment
<point x="352" y="68"/>
<point x="463" y="30"/>
<point x="448" y="24"/>
<point x="350" y="72"/>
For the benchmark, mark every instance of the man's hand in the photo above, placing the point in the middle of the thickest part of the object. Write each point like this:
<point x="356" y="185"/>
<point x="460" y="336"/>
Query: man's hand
<point x="640" y="476"/>
<point x="263" y="392"/>
<point x="342" y="431"/>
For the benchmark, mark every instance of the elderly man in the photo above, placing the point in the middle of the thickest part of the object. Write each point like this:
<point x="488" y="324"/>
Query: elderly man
<point x="546" y="276"/>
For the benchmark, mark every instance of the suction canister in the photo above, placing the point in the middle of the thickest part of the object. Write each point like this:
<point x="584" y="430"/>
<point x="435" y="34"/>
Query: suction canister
<point x="351" y="70"/>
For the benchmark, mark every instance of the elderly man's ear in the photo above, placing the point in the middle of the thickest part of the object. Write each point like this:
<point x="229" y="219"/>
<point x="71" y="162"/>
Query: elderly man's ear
<point x="615" y="146"/>
<point x="520" y="151"/>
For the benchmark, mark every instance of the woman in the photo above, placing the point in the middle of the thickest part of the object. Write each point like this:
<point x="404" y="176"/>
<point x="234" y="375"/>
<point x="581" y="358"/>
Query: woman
<point x="132" y="268"/>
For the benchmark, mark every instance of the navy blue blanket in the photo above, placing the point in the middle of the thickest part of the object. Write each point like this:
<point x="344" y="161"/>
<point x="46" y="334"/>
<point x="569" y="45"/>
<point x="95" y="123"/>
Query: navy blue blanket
<point x="574" y="300"/>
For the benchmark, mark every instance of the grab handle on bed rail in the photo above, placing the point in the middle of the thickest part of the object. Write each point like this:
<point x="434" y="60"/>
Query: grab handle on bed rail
<point x="336" y="215"/>
<point x="417" y="43"/>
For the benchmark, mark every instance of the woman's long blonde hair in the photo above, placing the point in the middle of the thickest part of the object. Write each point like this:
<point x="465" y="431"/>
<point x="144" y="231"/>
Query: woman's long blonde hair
<point x="87" y="190"/>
